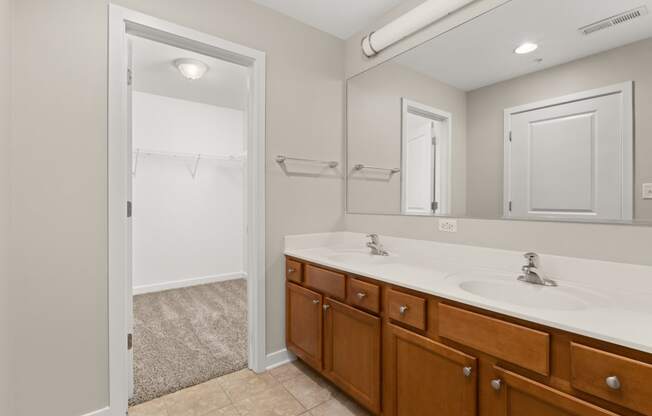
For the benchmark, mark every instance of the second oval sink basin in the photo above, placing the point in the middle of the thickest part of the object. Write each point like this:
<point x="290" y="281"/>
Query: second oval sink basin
<point x="525" y="294"/>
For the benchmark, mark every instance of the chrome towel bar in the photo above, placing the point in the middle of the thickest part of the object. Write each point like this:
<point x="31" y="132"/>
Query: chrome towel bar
<point x="280" y="159"/>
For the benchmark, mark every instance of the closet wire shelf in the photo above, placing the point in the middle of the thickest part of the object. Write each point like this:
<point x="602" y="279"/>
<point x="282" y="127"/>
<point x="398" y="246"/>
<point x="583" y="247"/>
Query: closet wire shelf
<point x="179" y="155"/>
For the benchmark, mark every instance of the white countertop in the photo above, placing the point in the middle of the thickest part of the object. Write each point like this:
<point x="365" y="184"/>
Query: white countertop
<point x="617" y="306"/>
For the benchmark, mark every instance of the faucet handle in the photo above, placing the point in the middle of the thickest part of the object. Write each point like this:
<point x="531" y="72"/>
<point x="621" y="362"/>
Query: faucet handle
<point x="532" y="259"/>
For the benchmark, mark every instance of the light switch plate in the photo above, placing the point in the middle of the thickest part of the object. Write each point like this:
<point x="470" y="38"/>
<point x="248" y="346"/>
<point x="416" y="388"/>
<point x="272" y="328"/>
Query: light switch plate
<point x="448" y="225"/>
<point x="647" y="191"/>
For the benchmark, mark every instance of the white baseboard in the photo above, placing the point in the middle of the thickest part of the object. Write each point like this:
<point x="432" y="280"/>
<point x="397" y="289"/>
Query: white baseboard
<point x="100" y="412"/>
<point x="278" y="358"/>
<point x="157" y="287"/>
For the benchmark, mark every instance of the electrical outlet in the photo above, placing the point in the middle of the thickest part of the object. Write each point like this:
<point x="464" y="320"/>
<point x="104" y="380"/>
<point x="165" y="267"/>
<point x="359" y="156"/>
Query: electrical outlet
<point x="448" y="225"/>
<point x="647" y="191"/>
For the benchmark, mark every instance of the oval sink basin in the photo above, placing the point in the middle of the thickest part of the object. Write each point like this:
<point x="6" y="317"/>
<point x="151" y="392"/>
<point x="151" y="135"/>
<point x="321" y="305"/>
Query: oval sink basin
<point x="526" y="294"/>
<point x="359" y="258"/>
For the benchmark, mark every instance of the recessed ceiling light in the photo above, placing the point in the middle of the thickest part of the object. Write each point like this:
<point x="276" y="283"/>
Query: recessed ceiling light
<point x="191" y="68"/>
<point x="526" y="47"/>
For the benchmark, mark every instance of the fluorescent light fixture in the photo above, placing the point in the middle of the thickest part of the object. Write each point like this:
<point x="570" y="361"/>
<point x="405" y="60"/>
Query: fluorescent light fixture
<point x="526" y="47"/>
<point x="191" y="68"/>
<point x="416" y="19"/>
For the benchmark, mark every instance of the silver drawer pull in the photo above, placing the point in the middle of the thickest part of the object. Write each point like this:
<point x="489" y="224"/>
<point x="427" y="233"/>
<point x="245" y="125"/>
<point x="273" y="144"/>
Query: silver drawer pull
<point x="613" y="382"/>
<point x="496" y="384"/>
<point x="291" y="270"/>
<point x="326" y="307"/>
<point x="402" y="309"/>
<point x="316" y="301"/>
<point x="361" y="295"/>
<point x="467" y="371"/>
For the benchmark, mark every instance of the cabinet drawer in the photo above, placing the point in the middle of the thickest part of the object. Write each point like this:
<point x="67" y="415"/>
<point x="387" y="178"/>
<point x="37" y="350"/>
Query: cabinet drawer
<point x="326" y="281"/>
<point x="363" y="294"/>
<point x="509" y="342"/>
<point x="590" y="369"/>
<point x="408" y="309"/>
<point x="293" y="271"/>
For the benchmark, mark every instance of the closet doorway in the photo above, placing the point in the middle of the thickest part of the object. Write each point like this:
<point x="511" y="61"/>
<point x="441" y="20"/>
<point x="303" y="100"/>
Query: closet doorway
<point x="186" y="146"/>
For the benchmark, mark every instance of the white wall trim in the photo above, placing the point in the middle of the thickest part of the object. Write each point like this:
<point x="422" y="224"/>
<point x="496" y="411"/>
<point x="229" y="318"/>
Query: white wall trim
<point x="278" y="358"/>
<point x="121" y="22"/>
<point x="193" y="281"/>
<point x="99" y="412"/>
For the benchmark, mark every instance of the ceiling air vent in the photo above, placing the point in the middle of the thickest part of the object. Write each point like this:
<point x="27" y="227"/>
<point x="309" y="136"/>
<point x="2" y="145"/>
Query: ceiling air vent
<point x="614" y="20"/>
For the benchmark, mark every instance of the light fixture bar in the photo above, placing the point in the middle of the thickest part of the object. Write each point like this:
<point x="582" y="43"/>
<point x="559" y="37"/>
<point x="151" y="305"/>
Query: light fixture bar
<point x="409" y="23"/>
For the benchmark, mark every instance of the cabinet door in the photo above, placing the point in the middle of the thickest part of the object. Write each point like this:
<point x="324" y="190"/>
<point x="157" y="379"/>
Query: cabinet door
<point x="424" y="377"/>
<point x="352" y="352"/>
<point x="304" y="324"/>
<point x="519" y="395"/>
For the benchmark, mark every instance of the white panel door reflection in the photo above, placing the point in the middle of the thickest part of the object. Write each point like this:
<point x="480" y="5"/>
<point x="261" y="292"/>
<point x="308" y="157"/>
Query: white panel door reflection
<point x="566" y="160"/>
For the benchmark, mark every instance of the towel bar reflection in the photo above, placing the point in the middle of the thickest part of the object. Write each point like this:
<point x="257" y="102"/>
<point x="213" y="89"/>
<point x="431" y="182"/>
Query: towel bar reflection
<point x="280" y="159"/>
<point x="391" y="171"/>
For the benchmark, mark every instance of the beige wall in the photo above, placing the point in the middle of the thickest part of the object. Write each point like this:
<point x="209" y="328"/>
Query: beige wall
<point x="59" y="171"/>
<point x="617" y="243"/>
<point x="374" y="134"/>
<point x="58" y="232"/>
<point x="5" y="101"/>
<point x="485" y="112"/>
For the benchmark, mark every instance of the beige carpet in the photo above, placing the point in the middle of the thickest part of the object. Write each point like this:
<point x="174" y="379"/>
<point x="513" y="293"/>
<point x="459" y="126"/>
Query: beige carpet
<point x="187" y="336"/>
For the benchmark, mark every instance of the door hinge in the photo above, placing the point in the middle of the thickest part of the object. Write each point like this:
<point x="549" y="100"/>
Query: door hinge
<point x="510" y="136"/>
<point x="129" y="209"/>
<point x="510" y="206"/>
<point x="130" y="76"/>
<point x="434" y="205"/>
<point x="434" y="140"/>
<point x="130" y="341"/>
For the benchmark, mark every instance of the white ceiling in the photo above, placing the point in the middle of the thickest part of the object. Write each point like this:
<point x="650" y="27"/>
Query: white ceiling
<point x="341" y="18"/>
<point x="480" y="52"/>
<point x="224" y="85"/>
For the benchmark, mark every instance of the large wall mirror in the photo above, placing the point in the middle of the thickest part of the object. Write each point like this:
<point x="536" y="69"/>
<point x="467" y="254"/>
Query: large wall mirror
<point x="538" y="110"/>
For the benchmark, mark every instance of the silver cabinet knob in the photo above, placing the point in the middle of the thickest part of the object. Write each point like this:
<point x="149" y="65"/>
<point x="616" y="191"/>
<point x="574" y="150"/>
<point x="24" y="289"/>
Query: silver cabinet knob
<point x="291" y="270"/>
<point x="496" y="384"/>
<point x="402" y="309"/>
<point x="467" y="371"/>
<point x="361" y="295"/>
<point x="613" y="382"/>
<point x="316" y="301"/>
<point x="326" y="307"/>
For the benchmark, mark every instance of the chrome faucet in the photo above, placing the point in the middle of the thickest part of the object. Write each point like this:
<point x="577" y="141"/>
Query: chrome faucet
<point x="375" y="246"/>
<point x="531" y="274"/>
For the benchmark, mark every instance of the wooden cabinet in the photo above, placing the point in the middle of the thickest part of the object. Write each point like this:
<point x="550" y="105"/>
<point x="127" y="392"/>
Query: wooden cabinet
<point x="399" y="352"/>
<point x="520" y="396"/>
<point x="424" y="377"/>
<point x="304" y="324"/>
<point x="612" y="377"/>
<point x="352" y="352"/>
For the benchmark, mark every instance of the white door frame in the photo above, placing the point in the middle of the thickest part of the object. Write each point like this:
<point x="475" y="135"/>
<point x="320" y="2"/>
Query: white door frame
<point x="413" y="107"/>
<point x="626" y="91"/>
<point x="121" y="22"/>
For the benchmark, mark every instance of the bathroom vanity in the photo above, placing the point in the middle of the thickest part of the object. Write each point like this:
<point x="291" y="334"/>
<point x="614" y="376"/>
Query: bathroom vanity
<point x="413" y="333"/>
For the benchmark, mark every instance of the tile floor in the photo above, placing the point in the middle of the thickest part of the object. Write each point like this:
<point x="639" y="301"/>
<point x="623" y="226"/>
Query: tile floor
<point x="290" y="390"/>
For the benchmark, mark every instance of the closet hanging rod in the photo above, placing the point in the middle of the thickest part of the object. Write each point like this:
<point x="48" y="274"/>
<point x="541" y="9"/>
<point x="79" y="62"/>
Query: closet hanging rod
<point x="280" y="159"/>
<point x="360" y="166"/>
